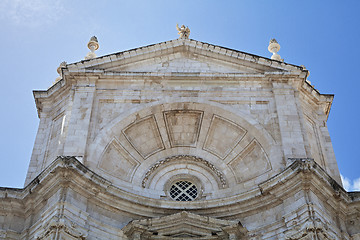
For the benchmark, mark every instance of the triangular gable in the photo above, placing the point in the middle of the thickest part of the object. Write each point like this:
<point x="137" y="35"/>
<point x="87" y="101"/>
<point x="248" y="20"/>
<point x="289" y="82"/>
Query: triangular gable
<point x="183" y="55"/>
<point x="181" y="62"/>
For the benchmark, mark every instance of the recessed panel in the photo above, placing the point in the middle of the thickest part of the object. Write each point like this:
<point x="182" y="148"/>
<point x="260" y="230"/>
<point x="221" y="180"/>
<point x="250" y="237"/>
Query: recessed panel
<point x="183" y="127"/>
<point x="54" y="139"/>
<point x="223" y="136"/>
<point x="250" y="163"/>
<point x="144" y="136"/>
<point x="118" y="162"/>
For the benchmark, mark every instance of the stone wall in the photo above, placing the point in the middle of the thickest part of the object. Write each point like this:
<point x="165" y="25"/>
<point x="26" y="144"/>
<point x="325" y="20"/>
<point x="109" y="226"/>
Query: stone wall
<point x="238" y="132"/>
<point x="71" y="201"/>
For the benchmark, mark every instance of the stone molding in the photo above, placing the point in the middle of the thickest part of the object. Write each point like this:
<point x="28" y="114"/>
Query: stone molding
<point x="245" y="177"/>
<point x="306" y="164"/>
<point x="9" y="234"/>
<point x="188" y="44"/>
<point x="310" y="228"/>
<point x="58" y="224"/>
<point x="71" y="164"/>
<point x="68" y="172"/>
<point x="209" y="165"/>
<point x="184" y="225"/>
<point x="113" y="127"/>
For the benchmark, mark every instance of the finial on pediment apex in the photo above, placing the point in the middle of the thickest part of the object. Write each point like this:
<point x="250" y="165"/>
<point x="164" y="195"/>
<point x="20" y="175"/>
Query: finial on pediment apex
<point x="184" y="32"/>
<point x="93" y="45"/>
<point x="274" y="47"/>
<point x="62" y="65"/>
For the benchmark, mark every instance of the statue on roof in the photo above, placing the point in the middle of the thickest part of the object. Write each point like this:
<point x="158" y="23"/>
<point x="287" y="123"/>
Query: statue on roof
<point x="184" y="32"/>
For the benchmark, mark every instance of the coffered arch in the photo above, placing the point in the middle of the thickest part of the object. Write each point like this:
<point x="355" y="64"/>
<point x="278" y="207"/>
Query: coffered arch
<point x="234" y="143"/>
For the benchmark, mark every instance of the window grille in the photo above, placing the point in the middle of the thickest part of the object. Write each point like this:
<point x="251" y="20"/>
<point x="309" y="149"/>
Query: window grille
<point x="183" y="191"/>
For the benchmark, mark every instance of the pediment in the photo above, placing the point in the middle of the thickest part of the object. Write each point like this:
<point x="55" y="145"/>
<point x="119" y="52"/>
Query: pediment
<point x="183" y="56"/>
<point x="182" y="62"/>
<point x="184" y="225"/>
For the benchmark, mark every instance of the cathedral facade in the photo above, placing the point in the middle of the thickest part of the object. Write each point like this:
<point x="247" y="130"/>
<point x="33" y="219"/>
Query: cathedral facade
<point x="181" y="140"/>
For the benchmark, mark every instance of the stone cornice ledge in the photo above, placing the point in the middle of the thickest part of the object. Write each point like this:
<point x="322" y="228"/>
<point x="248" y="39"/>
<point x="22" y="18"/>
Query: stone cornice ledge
<point x="104" y="73"/>
<point x="305" y="165"/>
<point x="242" y="201"/>
<point x="195" y="45"/>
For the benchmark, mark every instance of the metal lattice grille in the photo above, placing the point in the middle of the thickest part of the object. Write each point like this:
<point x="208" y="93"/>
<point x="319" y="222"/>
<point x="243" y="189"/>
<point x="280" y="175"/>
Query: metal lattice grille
<point x="183" y="191"/>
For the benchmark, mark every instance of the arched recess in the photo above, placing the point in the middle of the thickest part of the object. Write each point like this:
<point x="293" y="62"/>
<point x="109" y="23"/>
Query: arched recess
<point x="233" y="142"/>
<point x="174" y="166"/>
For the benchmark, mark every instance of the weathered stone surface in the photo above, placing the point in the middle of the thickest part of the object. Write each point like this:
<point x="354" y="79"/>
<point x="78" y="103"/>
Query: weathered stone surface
<point x="183" y="127"/>
<point x="117" y="161"/>
<point x="144" y="136"/>
<point x="69" y="198"/>
<point x="242" y="129"/>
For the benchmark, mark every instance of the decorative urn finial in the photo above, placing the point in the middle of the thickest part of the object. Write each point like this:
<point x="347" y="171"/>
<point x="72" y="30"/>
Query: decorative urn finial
<point x="274" y="47"/>
<point x="184" y="32"/>
<point x="62" y="65"/>
<point x="93" y="45"/>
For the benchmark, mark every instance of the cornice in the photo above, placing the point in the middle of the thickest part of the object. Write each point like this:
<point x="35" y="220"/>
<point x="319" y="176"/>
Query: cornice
<point x="97" y="67"/>
<point x="95" y="78"/>
<point x="262" y="196"/>
<point x="190" y="43"/>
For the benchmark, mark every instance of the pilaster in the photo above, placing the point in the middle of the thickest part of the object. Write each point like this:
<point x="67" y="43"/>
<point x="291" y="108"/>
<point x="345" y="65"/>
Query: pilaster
<point x="333" y="168"/>
<point x="289" y="121"/>
<point x="39" y="149"/>
<point x="79" y="122"/>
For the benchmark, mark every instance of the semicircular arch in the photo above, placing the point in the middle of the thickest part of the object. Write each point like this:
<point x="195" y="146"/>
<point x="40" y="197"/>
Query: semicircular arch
<point x="229" y="139"/>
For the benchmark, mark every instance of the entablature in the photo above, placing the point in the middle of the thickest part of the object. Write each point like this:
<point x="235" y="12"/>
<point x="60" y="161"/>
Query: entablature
<point x="301" y="171"/>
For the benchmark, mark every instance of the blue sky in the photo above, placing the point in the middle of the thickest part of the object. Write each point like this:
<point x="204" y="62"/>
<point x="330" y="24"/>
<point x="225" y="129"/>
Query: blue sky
<point x="36" y="35"/>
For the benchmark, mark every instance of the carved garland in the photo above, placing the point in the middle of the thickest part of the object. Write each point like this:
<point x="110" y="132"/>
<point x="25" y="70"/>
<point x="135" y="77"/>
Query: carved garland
<point x="61" y="224"/>
<point x="315" y="227"/>
<point x="306" y="164"/>
<point x="188" y="158"/>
